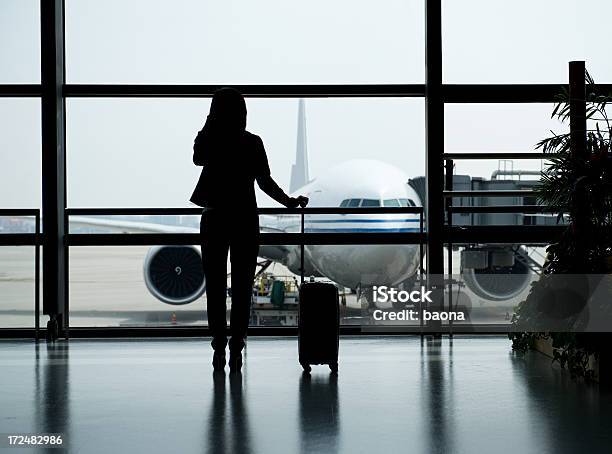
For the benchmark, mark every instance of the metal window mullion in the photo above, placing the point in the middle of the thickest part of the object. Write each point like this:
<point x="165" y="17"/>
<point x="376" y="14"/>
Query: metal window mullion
<point x="434" y="164"/>
<point x="53" y="158"/>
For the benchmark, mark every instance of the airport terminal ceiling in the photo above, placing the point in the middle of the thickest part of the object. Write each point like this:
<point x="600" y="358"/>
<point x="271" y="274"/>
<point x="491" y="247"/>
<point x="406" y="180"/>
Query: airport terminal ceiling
<point x="286" y="48"/>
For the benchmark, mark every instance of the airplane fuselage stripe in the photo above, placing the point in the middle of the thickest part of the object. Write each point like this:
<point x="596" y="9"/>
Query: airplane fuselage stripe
<point x="357" y="221"/>
<point x="348" y="230"/>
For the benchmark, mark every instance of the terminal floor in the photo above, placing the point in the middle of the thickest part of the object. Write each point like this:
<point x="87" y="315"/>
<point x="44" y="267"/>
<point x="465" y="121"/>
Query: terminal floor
<point x="392" y="394"/>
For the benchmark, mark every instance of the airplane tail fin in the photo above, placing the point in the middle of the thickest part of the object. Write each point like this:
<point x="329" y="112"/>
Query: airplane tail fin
<point x="299" y="170"/>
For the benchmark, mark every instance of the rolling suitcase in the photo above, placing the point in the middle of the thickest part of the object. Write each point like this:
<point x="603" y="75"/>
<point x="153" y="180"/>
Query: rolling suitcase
<point x="319" y="325"/>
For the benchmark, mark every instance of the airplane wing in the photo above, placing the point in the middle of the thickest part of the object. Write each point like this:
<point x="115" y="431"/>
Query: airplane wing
<point x="123" y="226"/>
<point x="277" y="253"/>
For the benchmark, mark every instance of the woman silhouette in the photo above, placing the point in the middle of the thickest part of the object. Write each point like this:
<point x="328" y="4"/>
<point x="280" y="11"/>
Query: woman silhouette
<point x="231" y="159"/>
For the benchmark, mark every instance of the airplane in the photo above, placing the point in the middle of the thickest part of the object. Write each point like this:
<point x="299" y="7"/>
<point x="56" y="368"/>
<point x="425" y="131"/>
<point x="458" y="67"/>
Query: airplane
<point x="173" y="274"/>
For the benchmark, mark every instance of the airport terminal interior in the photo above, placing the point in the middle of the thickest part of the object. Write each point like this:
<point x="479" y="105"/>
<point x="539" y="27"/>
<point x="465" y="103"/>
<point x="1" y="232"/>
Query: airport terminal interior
<point x="430" y="208"/>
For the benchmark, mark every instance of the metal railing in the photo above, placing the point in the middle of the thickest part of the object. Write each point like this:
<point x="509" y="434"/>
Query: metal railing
<point x="468" y="156"/>
<point x="526" y="209"/>
<point x="451" y="93"/>
<point x="268" y="238"/>
<point x="537" y="234"/>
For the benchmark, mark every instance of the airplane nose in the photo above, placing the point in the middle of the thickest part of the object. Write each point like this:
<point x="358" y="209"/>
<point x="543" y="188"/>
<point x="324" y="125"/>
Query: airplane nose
<point x="365" y="265"/>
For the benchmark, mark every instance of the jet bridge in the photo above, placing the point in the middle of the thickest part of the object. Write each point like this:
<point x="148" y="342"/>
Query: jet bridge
<point x="498" y="272"/>
<point x="501" y="180"/>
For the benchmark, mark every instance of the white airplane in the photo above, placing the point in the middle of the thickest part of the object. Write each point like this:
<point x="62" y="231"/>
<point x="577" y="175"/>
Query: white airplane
<point x="173" y="274"/>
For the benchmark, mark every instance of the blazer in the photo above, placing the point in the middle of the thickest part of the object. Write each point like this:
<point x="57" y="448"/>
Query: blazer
<point x="231" y="161"/>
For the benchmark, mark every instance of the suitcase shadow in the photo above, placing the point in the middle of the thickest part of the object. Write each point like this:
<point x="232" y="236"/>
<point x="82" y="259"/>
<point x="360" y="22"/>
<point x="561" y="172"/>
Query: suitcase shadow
<point x="319" y="412"/>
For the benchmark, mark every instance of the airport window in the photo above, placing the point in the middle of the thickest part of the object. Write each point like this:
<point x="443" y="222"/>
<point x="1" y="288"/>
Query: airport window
<point x="20" y="153"/>
<point x="531" y="123"/>
<point x="17" y="282"/>
<point x="464" y="125"/>
<point x="20" y="189"/>
<point x="364" y="117"/>
<point x="119" y="296"/>
<point x="268" y="44"/>
<point x="502" y="273"/>
<point x="535" y="51"/>
<point x="20" y="38"/>
<point x="153" y="139"/>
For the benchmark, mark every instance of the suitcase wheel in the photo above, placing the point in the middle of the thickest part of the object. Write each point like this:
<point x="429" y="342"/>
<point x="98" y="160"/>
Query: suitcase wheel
<point x="334" y="367"/>
<point x="306" y="367"/>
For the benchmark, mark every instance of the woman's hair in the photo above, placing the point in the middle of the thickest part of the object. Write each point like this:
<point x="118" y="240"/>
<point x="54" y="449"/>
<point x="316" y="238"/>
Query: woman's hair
<point x="228" y="109"/>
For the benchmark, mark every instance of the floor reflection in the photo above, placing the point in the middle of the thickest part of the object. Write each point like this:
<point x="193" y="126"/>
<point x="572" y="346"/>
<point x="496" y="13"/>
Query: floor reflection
<point x="228" y="429"/>
<point x="437" y="395"/>
<point x="563" y="411"/>
<point x="319" y="413"/>
<point x="52" y="403"/>
<point x="464" y="396"/>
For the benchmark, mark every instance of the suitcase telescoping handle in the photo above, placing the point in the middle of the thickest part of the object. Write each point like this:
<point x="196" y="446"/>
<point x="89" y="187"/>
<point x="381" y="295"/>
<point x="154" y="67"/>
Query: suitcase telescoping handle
<point x="303" y="201"/>
<point x="301" y="245"/>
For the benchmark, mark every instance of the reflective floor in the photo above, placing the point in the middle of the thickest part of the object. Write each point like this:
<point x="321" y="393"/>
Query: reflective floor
<point x="393" y="394"/>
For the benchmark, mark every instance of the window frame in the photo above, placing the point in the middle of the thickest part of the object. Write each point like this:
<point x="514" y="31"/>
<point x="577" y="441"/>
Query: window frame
<point x="53" y="91"/>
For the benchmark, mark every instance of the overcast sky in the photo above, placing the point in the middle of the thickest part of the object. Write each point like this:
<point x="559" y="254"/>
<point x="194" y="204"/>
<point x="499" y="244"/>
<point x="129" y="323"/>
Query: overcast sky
<point x="137" y="152"/>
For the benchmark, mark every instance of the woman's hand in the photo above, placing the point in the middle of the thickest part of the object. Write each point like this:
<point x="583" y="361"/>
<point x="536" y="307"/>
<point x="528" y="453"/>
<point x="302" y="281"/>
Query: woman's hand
<point x="294" y="202"/>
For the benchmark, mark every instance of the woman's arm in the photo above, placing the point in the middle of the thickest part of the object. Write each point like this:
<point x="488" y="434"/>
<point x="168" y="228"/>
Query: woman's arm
<point x="267" y="183"/>
<point x="269" y="186"/>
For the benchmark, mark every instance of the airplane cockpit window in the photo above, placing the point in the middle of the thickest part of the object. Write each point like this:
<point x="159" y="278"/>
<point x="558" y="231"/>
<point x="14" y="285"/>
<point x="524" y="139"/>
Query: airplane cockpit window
<point x="391" y="203"/>
<point x="370" y="203"/>
<point x="367" y="203"/>
<point x="407" y="202"/>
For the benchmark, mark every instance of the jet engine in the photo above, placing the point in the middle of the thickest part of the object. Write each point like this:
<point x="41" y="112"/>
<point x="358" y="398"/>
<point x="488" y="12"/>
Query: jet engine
<point x="495" y="273"/>
<point x="174" y="274"/>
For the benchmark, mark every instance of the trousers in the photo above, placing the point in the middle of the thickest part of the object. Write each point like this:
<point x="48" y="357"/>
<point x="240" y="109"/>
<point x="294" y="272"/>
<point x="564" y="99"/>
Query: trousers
<point x="234" y="231"/>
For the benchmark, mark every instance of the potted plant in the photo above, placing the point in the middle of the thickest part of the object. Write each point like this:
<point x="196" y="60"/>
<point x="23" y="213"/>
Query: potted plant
<point x="579" y="189"/>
